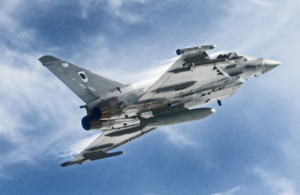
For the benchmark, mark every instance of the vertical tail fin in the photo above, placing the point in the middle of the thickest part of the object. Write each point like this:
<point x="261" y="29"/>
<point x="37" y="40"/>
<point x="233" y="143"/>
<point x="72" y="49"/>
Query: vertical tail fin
<point x="84" y="83"/>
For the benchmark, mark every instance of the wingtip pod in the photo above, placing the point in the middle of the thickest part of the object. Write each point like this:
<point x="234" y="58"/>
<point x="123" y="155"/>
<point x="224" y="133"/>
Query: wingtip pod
<point x="64" y="164"/>
<point x="70" y="163"/>
<point x="195" y="49"/>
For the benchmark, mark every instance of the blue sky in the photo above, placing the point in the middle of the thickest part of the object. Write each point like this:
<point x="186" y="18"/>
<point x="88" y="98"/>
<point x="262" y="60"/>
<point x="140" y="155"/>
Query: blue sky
<point x="249" y="146"/>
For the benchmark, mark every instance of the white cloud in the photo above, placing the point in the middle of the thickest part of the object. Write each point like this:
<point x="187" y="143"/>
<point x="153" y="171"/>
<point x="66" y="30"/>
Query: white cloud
<point x="115" y="3"/>
<point x="6" y="177"/>
<point x="231" y="191"/>
<point x="33" y="98"/>
<point x="73" y="148"/>
<point x="178" y="138"/>
<point x="277" y="184"/>
<point x="97" y="52"/>
<point x="11" y="29"/>
<point x="148" y="76"/>
<point x="291" y="148"/>
<point x="29" y="98"/>
<point x="259" y="33"/>
<point x="28" y="88"/>
<point x="86" y="6"/>
<point x="28" y="104"/>
<point x="263" y="3"/>
<point x="115" y="8"/>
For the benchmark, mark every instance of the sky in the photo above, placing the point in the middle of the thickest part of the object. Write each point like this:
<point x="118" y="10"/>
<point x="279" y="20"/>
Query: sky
<point x="250" y="145"/>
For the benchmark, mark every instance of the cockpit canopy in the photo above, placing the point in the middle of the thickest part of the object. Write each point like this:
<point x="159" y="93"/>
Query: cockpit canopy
<point x="226" y="55"/>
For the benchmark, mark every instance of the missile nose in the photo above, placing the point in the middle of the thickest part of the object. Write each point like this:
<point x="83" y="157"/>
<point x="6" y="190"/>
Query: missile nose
<point x="269" y="65"/>
<point x="213" y="110"/>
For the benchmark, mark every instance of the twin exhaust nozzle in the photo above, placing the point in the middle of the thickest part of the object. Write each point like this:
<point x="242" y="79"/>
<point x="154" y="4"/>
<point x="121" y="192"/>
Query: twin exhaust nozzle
<point x="194" y="49"/>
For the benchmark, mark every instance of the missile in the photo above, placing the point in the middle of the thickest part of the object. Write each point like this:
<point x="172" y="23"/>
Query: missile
<point x="195" y="49"/>
<point x="100" y="154"/>
<point x="178" y="117"/>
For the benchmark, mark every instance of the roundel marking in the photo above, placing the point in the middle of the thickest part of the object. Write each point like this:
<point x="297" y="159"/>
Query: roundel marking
<point x="83" y="76"/>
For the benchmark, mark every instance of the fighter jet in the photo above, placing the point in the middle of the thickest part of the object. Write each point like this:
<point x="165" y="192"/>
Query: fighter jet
<point x="124" y="113"/>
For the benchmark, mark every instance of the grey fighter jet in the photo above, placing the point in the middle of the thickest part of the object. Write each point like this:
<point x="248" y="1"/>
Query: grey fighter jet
<point x="124" y="113"/>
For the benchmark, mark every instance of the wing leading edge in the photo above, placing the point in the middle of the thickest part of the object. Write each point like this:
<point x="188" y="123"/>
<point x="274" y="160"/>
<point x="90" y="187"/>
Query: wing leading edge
<point x="190" y="71"/>
<point x="190" y="75"/>
<point x="108" y="140"/>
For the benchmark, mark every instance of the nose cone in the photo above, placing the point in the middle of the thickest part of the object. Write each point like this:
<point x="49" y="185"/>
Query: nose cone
<point x="269" y="65"/>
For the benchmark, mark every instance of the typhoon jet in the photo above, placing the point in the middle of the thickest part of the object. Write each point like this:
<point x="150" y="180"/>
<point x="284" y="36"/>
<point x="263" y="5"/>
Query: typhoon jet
<point x="124" y="113"/>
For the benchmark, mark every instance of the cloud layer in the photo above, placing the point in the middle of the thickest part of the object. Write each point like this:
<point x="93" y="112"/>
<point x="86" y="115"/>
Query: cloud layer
<point x="135" y="41"/>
